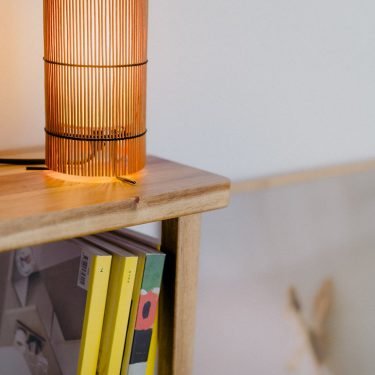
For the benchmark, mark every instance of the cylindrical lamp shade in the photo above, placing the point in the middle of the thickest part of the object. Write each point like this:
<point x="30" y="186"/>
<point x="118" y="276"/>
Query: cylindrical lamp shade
<point x="95" y="56"/>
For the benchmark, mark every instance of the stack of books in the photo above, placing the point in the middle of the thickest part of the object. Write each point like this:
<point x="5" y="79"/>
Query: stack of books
<point x="82" y="306"/>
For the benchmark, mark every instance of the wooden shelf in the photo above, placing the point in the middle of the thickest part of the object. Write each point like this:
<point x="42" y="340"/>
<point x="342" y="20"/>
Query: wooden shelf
<point x="41" y="206"/>
<point x="36" y="207"/>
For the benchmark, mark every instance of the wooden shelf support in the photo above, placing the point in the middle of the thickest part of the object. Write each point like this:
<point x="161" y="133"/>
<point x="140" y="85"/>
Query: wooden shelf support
<point x="180" y="241"/>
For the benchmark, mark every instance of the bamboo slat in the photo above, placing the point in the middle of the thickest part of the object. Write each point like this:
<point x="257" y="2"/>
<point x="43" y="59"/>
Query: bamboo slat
<point x="95" y="54"/>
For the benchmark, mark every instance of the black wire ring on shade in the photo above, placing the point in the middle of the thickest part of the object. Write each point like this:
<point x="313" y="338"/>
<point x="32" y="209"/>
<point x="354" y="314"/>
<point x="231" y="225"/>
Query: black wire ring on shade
<point x="94" y="66"/>
<point x="102" y="139"/>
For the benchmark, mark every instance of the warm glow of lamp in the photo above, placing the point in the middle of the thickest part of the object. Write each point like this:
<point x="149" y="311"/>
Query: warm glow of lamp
<point x="95" y="54"/>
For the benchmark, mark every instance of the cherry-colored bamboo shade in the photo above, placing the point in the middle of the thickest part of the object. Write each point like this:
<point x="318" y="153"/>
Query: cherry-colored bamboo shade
<point x="95" y="54"/>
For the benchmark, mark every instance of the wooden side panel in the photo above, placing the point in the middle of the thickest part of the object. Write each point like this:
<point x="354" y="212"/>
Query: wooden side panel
<point x="180" y="240"/>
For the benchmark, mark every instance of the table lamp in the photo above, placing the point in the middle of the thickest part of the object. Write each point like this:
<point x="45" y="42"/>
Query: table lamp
<point x="95" y="58"/>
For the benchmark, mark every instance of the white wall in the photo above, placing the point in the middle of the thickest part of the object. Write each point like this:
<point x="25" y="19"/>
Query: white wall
<point x="243" y="87"/>
<point x="269" y="240"/>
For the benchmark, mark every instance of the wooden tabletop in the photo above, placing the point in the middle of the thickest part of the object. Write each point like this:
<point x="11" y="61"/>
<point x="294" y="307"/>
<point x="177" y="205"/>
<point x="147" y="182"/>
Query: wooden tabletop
<point x="41" y="206"/>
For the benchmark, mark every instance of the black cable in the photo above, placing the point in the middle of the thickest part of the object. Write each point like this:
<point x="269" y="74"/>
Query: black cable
<point x="36" y="168"/>
<point x="22" y="161"/>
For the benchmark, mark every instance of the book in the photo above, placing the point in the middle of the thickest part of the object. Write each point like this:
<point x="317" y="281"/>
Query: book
<point x="141" y="238"/>
<point x="155" y="244"/>
<point x="52" y="308"/>
<point x="144" y="302"/>
<point x="117" y="310"/>
<point x="153" y="352"/>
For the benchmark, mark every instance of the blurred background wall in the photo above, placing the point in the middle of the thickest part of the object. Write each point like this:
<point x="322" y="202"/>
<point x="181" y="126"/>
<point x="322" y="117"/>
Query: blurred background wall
<point x="269" y="240"/>
<point x="249" y="88"/>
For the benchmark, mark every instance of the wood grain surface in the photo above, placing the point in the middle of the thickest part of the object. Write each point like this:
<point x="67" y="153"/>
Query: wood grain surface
<point x="40" y="206"/>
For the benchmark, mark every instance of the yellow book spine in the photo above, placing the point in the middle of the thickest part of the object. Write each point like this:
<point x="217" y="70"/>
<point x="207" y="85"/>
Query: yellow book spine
<point x="94" y="313"/>
<point x="117" y="313"/>
<point x="133" y="315"/>
<point x="152" y="354"/>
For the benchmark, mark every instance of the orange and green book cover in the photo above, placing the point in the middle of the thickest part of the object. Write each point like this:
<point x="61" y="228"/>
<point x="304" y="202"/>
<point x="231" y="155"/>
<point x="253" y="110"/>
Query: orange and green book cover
<point x="52" y="308"/>
<point x="155" y="244"/>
